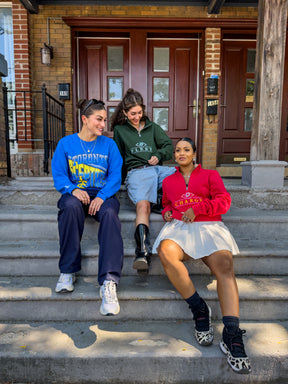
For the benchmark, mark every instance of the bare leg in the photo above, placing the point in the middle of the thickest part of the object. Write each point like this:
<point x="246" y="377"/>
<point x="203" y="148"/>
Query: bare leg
<point x="221" y="265"/>
<point x="172" y="257"/>
<point x="142" y="212"/>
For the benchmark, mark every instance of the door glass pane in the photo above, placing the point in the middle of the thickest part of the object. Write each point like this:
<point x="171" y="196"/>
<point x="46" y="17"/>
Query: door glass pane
<point x="160" y="117"/>
<point x="249" y="90"/>
<point x="248" y="119"/>
<point x="161" y="60"/>
<point x="160" y="89"/>
<point x="115" y="88"/>
<point x="251" y="55"/>
<point x="115" y="58"/>
<point x="111" y="110"/>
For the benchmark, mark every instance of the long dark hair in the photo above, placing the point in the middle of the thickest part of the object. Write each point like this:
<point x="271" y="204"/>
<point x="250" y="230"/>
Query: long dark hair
<point x="131" y="99"/>
<point x="190" y="141"/>
<point x="88" y="107"/>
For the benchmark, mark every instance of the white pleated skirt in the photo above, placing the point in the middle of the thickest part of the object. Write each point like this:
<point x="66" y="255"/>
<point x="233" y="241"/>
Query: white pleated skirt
<point x="198" y="239"/>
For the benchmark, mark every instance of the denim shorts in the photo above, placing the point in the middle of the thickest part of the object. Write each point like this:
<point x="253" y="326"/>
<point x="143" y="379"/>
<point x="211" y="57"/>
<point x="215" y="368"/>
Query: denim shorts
<point x="143" y="183"/>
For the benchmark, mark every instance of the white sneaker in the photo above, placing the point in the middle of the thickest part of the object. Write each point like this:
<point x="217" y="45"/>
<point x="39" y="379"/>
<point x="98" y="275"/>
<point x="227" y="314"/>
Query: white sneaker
<point x="65" y="282"/>
<point x="110" y="304"/>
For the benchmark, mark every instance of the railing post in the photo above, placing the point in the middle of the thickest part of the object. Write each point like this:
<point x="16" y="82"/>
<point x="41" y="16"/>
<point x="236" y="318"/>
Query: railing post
<point x="63" y="119"/>
<point x="7" y="133"/>
<point x="45" y="130"/>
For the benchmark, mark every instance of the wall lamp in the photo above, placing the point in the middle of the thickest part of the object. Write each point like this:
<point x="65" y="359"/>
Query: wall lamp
<point x="47" y="50"/>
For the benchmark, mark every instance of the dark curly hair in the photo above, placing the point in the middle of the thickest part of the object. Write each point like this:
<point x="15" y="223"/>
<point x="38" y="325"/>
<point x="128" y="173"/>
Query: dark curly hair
<point x="131" y="99"/>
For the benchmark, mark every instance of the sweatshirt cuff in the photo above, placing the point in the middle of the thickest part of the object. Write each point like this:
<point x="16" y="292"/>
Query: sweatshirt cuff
<point x="101" y="195"/>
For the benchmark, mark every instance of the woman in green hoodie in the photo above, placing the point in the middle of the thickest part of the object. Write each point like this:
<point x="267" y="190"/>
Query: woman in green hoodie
<point x="143" y="146"/>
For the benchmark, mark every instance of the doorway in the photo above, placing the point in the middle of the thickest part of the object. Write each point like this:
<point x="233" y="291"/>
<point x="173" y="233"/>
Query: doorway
<point x="166" y="70"/>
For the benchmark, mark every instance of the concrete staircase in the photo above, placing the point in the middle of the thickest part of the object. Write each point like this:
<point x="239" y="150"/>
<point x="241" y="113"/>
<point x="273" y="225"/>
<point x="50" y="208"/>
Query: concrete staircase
<point x="50" y="338"/>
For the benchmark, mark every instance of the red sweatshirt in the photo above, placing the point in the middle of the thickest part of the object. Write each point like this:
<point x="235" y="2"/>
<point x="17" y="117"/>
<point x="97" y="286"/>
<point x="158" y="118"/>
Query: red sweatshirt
<point x="206" y="194"/>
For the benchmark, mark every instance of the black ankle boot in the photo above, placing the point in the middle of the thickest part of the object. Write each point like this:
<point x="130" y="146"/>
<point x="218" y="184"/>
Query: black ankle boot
<point x="143" y="248"/>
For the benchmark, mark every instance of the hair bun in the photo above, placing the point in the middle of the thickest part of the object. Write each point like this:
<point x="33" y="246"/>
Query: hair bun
<point x="80" y="103"/>
<point x="130" y="90"/>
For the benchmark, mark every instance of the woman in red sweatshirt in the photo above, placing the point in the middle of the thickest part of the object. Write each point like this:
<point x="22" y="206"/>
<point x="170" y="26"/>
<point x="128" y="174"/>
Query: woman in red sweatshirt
<point x="194" y="200"/>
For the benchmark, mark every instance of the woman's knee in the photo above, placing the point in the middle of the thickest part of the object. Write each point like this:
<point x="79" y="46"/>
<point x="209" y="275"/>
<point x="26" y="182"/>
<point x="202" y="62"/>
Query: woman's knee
<point x="223" y="264"/>
<point x="109" y="210"/>
<point x="167" y="252"/>
<point x="70" y="203"/>
<point x="143" y="207"/>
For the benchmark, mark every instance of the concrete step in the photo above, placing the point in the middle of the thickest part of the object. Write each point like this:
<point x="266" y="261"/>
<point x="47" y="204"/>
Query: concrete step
<point x="41" y="191"/>
<point x="38" y="222"/>
<point x="40" y="257"/>
<point x="150" y="352"/>
<point x="141" y="298"/>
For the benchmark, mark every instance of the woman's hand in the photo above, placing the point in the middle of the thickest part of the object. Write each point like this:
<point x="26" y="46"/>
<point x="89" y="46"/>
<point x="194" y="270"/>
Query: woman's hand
<point x="153" y="160"/>
<point x="95" y="206"/>
<point x="168" y="216"/>
<point x="188" y="216"/>
<point x="81" y="195"/>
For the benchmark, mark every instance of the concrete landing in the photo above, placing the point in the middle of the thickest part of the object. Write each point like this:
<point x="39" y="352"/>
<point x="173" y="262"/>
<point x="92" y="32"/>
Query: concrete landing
<point x="135" y="353"/>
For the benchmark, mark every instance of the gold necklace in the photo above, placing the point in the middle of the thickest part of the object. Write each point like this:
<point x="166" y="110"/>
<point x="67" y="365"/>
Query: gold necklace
<point x="88" y="150"/>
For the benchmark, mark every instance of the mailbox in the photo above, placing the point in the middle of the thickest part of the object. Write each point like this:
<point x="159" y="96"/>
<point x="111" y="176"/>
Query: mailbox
<point x="64" y="91"/>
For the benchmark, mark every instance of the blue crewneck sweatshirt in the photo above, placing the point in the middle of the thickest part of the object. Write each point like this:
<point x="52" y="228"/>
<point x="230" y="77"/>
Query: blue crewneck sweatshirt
<point x="92" y="166"/>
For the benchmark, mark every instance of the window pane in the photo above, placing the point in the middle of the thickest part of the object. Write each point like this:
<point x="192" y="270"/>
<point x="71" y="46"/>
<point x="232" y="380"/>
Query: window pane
<point x="6" y="44"/>
<point x="251" y="55"/>
<point x="249" y="90"/>
<point x="161" y="60"/>
<point x="115" y="58"/>
<point x="160" y="117"/>
<point x="160" y="89"/>
<point x="115" y="88"/>
<point x="248" y="119"/>
<point x="111" y="110"/>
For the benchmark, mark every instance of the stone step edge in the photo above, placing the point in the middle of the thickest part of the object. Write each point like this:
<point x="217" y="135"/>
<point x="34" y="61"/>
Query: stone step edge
<point x="135" y="288"/>
<point x="35" y="213"/>
<point x="47" y="248"/>
<point x="8" y="253"/>
<point x="38" y="351"/>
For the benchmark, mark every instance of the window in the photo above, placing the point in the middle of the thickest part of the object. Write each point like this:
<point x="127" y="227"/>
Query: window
<point x="6" y="44"/>
<point x="7" y="50"/>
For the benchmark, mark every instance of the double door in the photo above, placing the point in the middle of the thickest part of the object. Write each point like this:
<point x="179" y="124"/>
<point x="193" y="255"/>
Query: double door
<point x="165" y="71"/>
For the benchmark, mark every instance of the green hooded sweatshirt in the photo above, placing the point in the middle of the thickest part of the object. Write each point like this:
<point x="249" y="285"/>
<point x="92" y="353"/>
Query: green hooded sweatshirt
<point x="136" y="148"/>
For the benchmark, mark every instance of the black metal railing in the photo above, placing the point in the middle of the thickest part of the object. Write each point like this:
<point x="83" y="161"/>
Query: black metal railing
<point x="33" y="117"/>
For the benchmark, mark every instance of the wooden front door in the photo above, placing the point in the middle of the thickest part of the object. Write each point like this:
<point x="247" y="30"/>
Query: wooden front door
<point x="173" y="86"/>
<point x="103" y="70"/>
<point x="236" y="102"/>
<point x="170" y="84"/>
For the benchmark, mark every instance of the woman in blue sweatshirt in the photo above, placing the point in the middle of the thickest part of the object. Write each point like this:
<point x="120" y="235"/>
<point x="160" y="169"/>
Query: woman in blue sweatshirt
<point x="86" y="169"/>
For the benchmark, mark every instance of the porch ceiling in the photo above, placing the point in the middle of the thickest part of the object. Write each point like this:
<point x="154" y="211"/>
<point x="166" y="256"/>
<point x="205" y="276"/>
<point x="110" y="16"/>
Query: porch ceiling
<point x="213" y="6"/>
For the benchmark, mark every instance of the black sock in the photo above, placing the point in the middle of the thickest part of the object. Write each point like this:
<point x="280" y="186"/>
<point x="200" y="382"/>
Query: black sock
<point x="231" y="323"/>
<point x="195" y="302"/>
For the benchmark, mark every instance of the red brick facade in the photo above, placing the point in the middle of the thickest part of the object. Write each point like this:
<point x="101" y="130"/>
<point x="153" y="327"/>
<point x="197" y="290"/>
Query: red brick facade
<point x="30" y="34"/>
